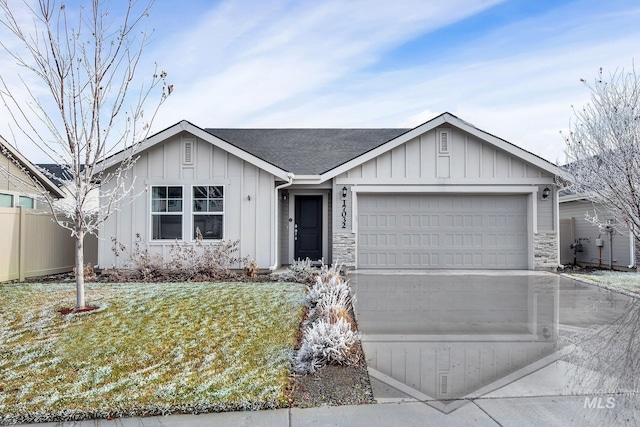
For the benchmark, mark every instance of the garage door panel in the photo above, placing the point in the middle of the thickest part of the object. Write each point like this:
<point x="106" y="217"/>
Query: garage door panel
<point x="456" y="232"/>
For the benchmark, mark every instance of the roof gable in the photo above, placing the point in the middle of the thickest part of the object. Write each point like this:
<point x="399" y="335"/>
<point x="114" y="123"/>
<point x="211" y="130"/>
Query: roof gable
<point x="185" y="126"/>
<point x="443" y="119"/>
<point x="10" y="152"/>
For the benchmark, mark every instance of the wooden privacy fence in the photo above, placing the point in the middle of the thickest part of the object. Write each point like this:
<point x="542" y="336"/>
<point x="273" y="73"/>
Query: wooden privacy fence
<point x="32" y="245"/>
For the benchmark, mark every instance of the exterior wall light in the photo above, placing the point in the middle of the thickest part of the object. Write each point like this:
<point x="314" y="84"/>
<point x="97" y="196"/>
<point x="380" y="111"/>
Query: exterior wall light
<point x="344" y="192"/>
<point x="546" y="192"/>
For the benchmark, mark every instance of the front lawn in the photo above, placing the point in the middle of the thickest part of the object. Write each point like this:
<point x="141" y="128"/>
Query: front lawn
<point x="150" y="349"/>
<point x="621" y="281"/>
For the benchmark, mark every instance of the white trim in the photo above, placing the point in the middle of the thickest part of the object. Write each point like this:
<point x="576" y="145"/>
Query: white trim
<point x="151" y="213"/>
<point x="632" y="250"/>
<point x="572" y="198"/>
<point x="223" y="214"/>
<point x="276" y="223"/>
<point x="497" y="189"/>
<point x="444" y="181"/>
<point x="187" y="210"/>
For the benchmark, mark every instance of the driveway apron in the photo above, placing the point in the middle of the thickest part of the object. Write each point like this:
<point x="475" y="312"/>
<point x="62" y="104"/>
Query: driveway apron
<point x="446" y="338"/>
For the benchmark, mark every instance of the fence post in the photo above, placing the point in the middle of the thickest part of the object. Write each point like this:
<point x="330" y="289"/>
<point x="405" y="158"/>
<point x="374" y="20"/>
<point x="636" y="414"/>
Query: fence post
<point x="22" y="256"/>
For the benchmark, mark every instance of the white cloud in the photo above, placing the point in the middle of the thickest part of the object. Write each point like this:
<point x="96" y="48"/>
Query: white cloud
<point x="326" y="64"/>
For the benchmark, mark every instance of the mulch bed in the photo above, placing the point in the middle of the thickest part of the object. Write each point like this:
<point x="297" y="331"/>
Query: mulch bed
<point x="332" y="385"/>
<point x="67" y="311"/>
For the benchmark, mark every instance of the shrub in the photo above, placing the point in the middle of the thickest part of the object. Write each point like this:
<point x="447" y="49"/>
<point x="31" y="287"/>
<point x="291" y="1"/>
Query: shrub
<point x="301" y="271"/>
<point x="326" y="343"/>
<point x="198" y="261"/>
<point x="330" y="334"/>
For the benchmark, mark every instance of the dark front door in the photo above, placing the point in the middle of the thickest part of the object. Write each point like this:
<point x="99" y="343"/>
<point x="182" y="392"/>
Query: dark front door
<point x="307" y="232"/>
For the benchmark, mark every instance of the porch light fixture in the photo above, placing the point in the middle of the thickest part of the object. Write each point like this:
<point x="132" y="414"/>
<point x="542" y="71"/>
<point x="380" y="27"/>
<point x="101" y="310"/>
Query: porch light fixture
<point x="285" y="196"/>
<point x="344" y="192"/>
<point x="546" y="192"/>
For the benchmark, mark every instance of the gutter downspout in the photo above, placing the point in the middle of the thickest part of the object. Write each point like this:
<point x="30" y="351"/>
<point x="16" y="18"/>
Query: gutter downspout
<point x="632" y="249"/>
<point x="276" y="211"/>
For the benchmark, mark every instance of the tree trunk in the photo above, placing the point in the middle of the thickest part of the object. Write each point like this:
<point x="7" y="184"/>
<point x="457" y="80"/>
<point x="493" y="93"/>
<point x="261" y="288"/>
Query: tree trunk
<point x="80" y="271"/>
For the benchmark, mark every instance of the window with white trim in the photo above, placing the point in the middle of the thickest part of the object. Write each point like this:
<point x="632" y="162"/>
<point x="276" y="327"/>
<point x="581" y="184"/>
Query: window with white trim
<point x="6" y="200"/>
<point x="25" y="201"/>
<point x="166" y="212"/>
<point x="15" y="200"/>
<point x="208" y="211"/>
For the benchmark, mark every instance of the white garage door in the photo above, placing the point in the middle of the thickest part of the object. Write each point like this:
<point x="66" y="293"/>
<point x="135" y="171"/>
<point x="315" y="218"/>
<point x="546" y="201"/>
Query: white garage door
<point x="443" y="231"/>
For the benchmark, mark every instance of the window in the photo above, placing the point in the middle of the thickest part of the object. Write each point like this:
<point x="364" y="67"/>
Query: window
<point x="166" y="212"/>
<point x="15" y="200"/>
<point x="6" y="200"/>
<point x="208" y="211"/>
<point x="27" y="202"/>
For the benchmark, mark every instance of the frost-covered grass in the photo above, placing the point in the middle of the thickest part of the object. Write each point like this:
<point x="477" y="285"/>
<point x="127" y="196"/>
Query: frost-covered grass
<point x="151" y="349"/>
<point x="622" y="281"/>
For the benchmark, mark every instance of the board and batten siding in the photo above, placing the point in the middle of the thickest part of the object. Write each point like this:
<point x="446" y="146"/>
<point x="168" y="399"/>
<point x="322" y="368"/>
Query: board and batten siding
<point x="468" y="162"/>
<point x="248" y="199"/>
<point x="583" y="229"/>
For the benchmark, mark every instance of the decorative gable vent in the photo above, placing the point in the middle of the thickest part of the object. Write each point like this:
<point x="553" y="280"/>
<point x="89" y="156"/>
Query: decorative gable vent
<point x="444" y="141"/>
<point x="444" y="384"/>
<point x="187" y="151"/>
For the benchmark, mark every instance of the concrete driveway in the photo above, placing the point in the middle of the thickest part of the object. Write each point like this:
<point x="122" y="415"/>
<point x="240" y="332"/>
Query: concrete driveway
<point x="451" y="338"/>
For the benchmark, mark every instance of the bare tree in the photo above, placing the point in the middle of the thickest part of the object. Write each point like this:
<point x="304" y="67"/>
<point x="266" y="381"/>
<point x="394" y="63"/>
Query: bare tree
<point x="606" y="365"/>
<point x="86" y="60"/>
<point x="603" y="150"/>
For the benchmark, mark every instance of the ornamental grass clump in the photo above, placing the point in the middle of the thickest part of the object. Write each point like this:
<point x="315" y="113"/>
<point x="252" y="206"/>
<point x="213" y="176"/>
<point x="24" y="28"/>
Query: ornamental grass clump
<point x="330" y="334"/>
<point x="301" y="271"/>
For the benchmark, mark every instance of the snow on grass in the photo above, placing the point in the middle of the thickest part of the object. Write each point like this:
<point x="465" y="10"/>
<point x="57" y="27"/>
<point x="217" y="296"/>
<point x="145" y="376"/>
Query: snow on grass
<point x="621" y="281"/>
<point x="151" y="349"/>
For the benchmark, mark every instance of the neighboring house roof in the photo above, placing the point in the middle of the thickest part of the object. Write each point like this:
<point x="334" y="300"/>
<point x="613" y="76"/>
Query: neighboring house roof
<point x="56" y="172"/>
<point x="15" y="155"/>
<point x="307" y="151"/>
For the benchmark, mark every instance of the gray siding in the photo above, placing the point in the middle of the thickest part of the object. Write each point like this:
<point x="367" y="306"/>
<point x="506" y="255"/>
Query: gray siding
<point x="248" y="198"/>
<point x="283" y="230"/>
<point x="584" y="229"/>
<point x="546" y="220"/>
<point x="469" y="158"/>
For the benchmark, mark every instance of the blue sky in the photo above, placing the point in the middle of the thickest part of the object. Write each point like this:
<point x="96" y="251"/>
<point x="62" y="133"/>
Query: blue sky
<point x="512" y="68"/>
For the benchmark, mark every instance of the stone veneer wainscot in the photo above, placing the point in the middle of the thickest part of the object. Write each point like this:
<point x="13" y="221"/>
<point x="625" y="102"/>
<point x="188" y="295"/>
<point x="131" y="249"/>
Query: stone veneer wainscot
<point x="344" y="249"/>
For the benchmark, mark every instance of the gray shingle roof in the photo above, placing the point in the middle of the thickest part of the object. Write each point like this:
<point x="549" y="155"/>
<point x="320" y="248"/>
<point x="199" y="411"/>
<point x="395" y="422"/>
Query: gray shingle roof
<point x="306" y="151"/>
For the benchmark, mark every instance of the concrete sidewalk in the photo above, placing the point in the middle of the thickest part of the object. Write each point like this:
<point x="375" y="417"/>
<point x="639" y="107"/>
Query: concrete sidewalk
<point x="535" y="400"/>
<point x="534" y="411"/>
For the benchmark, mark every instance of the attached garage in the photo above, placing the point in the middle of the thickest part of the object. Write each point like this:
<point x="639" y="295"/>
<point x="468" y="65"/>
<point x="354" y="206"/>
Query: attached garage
<point x="412" y="231"/>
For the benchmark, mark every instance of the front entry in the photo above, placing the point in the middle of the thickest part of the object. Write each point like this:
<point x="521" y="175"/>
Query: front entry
<point x="307" y="231"/>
